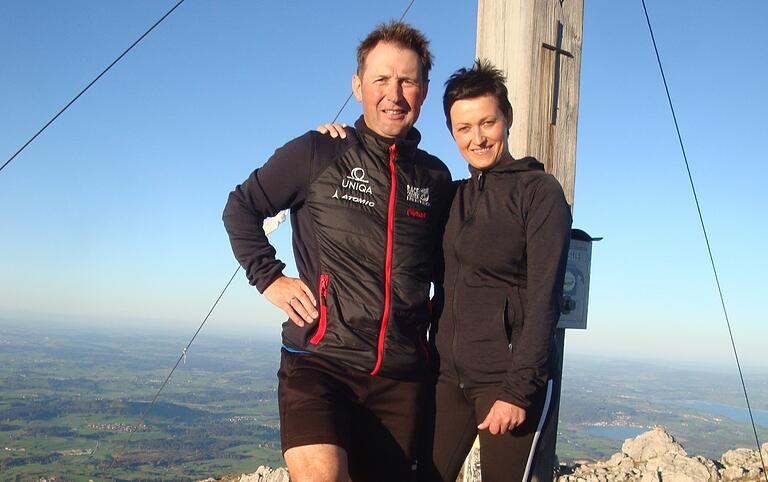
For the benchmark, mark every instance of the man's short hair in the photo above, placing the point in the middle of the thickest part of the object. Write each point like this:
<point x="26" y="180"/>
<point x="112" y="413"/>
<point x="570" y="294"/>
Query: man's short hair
<point x="400" y="34"/>
<point x="480" y="80"/>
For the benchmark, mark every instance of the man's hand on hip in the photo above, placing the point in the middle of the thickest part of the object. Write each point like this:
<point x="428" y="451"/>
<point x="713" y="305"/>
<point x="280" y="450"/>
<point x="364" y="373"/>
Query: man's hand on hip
<point x="294" y="297"/>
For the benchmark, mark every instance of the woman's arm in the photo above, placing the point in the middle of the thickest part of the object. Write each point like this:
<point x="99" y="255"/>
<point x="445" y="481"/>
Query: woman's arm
<point x="548" y="232"/>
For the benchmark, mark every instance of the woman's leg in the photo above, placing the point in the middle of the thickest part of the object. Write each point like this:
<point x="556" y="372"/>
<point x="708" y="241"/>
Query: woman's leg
<point x="508" y="457"/>
<point x="455" y="431"/>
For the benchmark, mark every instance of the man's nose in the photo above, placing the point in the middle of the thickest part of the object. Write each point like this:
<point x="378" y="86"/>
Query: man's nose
<point x="394" y="91"/>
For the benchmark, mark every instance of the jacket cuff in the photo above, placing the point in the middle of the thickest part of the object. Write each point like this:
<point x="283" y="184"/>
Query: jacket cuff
<point x="266" y="277"/>
<point x="514" y="399"/>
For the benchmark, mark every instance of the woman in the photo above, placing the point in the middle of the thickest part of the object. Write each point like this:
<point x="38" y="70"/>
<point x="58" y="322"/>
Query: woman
<point x="505" y="247"/>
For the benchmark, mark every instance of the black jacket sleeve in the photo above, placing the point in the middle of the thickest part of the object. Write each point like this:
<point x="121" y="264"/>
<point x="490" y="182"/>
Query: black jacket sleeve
<point x="281" y="183"/>
<point x="547" y="231"/>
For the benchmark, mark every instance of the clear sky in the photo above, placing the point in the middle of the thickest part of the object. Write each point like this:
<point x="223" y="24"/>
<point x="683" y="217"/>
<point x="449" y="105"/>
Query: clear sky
<point x="112" y="217"/>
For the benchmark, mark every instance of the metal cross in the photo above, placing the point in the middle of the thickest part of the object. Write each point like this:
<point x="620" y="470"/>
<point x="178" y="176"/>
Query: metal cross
<point x="557" y="48"/>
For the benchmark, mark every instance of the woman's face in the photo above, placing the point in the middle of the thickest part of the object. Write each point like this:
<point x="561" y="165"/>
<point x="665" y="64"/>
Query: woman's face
<point x="480" y="130"/>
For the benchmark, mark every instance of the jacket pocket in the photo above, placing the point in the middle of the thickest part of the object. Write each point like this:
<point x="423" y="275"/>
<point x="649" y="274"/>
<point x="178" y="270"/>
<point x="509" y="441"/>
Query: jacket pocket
<point x="514" y="315"/>
<point x="322" y="324"/>
<point x="507" y="319"/>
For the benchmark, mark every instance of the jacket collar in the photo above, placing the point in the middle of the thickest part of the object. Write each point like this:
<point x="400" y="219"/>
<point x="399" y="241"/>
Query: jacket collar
<point x="509" y="165"/>
<point x="406" y="147"/>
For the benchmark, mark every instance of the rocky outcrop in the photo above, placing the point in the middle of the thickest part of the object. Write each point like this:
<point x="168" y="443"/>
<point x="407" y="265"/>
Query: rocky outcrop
<point x="262" y="474"/>
<point x="652" y="456"/>
<point x="265" y="474"/>
<point x="655" y="456"/>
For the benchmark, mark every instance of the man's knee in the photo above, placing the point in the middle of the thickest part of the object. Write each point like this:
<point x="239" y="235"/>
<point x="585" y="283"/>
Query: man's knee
<point x="317" y="463"/>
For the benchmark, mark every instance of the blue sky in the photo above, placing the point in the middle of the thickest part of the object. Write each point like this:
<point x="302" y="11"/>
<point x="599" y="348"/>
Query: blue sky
<point x="112" y="217"/>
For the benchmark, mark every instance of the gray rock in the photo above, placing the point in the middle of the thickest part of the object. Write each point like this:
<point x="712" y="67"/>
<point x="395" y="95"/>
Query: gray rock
<point x="266" y="474"/>
<point x="653" y="456"/>
<point x="743" y="464"/>
<point x="651" y="444"/>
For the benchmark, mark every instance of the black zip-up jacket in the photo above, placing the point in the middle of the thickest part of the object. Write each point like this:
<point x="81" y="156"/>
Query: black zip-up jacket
<point x="505" y="247"/>
<point x="367" y="214"/>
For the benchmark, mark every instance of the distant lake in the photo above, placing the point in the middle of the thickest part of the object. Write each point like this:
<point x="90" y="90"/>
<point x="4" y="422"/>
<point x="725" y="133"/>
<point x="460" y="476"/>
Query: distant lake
<point x="737" y="414"/>
<point x="615" y="433"/>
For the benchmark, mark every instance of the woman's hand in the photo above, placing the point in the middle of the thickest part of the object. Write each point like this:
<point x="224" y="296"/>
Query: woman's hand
<point x="333" y="130"/>
<point x="502" y="418"/>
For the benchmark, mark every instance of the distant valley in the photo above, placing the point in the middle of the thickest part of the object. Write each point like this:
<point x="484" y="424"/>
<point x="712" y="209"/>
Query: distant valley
<point x="70" y="402"/>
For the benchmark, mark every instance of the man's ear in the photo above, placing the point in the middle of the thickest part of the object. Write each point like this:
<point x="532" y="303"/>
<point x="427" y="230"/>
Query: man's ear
<point x="426" y="89"/>
<point x="357" y="87"/>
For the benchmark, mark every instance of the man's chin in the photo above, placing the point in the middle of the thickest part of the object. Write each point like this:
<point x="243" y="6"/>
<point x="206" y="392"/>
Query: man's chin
<point x="397" y="129"/>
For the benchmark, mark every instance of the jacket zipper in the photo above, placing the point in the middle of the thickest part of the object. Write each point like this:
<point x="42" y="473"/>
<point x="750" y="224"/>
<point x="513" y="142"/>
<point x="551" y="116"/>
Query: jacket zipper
<point x="323" y="295"/>
<point x="388" y="261"/>
<point x="454" y="343"/>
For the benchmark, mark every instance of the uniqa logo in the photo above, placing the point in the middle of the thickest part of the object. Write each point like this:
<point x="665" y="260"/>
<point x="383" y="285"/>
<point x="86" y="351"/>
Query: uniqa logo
<point x="356" y="181"/>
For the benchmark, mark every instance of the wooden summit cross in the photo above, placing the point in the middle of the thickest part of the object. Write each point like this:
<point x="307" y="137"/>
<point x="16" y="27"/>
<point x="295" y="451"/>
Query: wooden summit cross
<point x="537" y="44"/>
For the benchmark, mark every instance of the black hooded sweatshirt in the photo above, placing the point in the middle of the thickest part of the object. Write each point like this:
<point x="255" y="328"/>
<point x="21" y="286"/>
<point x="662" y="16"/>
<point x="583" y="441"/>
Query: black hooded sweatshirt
<point x="505" y="247"/>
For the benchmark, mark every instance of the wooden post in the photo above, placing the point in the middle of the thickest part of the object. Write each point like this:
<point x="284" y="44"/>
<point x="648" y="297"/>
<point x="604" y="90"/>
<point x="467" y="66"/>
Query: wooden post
<point x="537" y="43"/>
<point x="528" y="39"/>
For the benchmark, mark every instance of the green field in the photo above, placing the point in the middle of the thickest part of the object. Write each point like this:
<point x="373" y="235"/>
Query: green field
<point x="70" y="405"/>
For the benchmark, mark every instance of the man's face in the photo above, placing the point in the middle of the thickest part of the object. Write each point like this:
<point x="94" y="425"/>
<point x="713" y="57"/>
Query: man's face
<point x="391" y="89"/>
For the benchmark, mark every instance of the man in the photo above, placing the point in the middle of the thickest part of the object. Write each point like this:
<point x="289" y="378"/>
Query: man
<point x="367" y="215"/>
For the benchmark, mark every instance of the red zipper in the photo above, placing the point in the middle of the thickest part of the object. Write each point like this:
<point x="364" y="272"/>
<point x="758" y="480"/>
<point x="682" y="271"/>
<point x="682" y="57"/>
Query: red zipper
<point x="388" y="262"/>
<point x="322" y="323"/>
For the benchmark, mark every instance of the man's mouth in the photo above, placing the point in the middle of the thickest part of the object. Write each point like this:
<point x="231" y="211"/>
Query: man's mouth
<point x="481" y="151"/>
<point x="394" y="112"/>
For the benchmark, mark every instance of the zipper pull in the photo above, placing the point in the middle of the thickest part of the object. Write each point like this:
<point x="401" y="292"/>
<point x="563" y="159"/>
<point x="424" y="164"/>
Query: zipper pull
<point x="392" y="153"/>
<point x="323" y="286"/>
<point x="481" y="180"/>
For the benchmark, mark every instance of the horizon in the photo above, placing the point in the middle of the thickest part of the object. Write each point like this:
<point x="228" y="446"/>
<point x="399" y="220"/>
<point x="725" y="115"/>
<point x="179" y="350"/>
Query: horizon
<point x="51" y="329"/>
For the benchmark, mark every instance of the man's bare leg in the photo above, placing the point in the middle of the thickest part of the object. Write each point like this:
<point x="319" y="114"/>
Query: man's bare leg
<point x="317" y="463"/>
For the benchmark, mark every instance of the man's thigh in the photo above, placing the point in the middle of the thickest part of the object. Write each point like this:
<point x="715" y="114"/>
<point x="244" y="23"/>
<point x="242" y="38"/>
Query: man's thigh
<point x="315" y="403"/>
<point x="374" y="420"/>
<point x="317" y="463"/>
<point x="386" y="430"/>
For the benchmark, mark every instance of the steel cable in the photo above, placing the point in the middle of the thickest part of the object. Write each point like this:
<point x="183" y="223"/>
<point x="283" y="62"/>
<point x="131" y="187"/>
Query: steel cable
<point x="706" y="239"/>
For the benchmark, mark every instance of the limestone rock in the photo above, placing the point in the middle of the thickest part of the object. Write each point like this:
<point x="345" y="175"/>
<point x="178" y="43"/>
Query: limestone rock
<point x="262" y="474"/>
<point x="677" y="468"/>
<point x="653" y="456"/>
<point x="266" y="474"/>
<point x="652" y="444"/>
<point x="743" y="464"/>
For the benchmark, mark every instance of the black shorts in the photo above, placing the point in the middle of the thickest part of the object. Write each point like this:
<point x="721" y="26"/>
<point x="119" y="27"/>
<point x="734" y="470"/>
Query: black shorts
<point x="376" y="420"/>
